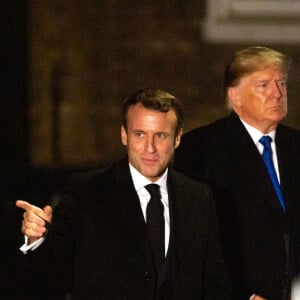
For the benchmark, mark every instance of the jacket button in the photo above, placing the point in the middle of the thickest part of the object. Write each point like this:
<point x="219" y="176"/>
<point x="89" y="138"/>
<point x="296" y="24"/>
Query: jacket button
<point x="147" y="277"/>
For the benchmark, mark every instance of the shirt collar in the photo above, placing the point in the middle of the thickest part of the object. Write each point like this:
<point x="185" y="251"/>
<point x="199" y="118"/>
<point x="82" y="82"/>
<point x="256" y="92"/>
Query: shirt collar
<point x="139" y="181"/>
<point x="256" y="134"/>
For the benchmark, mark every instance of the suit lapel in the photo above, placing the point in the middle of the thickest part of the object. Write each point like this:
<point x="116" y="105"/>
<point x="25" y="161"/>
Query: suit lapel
<point x="288" y="168"/>
<point x="248" y="160"/>
<point x="128" y="213"/>
<point x="175" y="192"/>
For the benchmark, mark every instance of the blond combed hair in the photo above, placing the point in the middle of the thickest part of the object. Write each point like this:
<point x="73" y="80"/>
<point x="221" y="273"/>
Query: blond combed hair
<point x="250" y="60"/>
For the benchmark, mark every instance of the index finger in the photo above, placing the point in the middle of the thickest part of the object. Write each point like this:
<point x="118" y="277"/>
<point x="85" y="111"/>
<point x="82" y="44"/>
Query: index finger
<point x="28" y="207"/>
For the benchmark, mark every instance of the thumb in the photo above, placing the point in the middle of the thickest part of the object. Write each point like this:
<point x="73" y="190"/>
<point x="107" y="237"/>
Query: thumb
<point x="47" y="213"/>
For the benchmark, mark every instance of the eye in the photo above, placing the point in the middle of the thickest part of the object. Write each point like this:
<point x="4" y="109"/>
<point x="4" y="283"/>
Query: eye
<point x="282" y="83"/>
<point x="162" y="135"/>
<point x="262" y="84"/>
<point x="139" y="133"/>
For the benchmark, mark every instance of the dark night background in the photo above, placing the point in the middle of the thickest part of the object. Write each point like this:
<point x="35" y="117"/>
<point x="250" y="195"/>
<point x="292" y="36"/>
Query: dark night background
<point x="66" y="66"/>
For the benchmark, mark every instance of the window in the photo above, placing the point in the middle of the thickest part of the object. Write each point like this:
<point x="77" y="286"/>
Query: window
<point x="255" y="20"/>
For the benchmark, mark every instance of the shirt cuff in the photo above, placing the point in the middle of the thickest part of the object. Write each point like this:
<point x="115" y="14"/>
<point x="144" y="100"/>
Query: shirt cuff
<point x="25" y="247"/>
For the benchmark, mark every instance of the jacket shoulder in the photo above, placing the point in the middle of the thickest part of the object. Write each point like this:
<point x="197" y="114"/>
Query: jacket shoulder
<point x="215" y="125"/>
<point x="184" y="181"/>
<point x="288" y="131"/>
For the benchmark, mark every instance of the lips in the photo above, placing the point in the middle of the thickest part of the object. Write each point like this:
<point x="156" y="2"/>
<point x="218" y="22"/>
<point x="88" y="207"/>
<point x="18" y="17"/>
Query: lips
<point x="150" y="161"/>
<point x="277" y="108"/>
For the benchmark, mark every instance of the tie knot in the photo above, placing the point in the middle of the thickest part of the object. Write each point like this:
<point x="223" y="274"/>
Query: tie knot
<point x="154" y="190"/>
<point x="266" y="140"/>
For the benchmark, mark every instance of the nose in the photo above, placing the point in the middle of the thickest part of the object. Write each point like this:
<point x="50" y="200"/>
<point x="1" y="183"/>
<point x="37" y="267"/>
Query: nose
<point x="277" y="90"/>
<point x="150" y="147"/>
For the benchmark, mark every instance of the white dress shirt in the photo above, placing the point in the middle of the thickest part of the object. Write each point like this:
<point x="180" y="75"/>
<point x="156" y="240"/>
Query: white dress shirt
<point x="140" y="182"/>
<point x="256" y="135"/>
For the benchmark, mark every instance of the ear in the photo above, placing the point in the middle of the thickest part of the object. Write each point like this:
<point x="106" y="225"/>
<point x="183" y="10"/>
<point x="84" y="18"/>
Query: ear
<point x="123" y="136"/>
<point x="234" y="97"/>
<point x="178" y="138"/>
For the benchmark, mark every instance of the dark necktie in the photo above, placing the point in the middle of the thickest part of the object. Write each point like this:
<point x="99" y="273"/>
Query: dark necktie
<point x="156" y="226"/>
<point x="268" y="159"/>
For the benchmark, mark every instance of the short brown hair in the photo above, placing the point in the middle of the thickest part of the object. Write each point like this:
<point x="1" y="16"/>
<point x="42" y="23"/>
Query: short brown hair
<point x="156" y="99"/>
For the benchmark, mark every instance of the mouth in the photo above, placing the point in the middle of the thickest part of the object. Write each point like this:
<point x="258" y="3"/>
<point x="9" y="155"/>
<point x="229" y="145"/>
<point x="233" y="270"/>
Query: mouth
<point x="278" y="107"/>
<point x="150" y="161"/>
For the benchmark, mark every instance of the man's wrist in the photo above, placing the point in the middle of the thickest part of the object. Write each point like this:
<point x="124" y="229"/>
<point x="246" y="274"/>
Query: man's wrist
<point x="31" y="247"/>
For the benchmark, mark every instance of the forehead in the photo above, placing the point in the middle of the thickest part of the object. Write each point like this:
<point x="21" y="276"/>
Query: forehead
<point x="270" y="73"/>
<point x="138" y="115"/>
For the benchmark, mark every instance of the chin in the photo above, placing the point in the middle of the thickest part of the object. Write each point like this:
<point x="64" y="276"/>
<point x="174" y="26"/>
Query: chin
<point x="149" y="172"/>
<point x="278" y="116"/>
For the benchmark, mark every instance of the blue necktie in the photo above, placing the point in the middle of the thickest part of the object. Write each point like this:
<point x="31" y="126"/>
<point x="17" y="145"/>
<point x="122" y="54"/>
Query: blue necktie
<point x="268" y="159"/>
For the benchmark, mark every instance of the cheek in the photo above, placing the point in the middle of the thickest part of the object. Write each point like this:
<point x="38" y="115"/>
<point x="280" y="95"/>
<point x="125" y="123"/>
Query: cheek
<point x="135" y="145"/>
<point x="167" y="149"/>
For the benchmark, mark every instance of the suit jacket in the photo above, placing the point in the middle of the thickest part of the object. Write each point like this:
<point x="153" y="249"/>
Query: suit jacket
<point x="260" y="243"/>
<point x="114" y="259"/>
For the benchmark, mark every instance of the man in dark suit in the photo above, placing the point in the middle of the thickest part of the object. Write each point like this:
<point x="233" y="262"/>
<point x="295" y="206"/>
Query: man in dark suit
<point x="117" y="255"/>
<point x="260" y="236"/>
